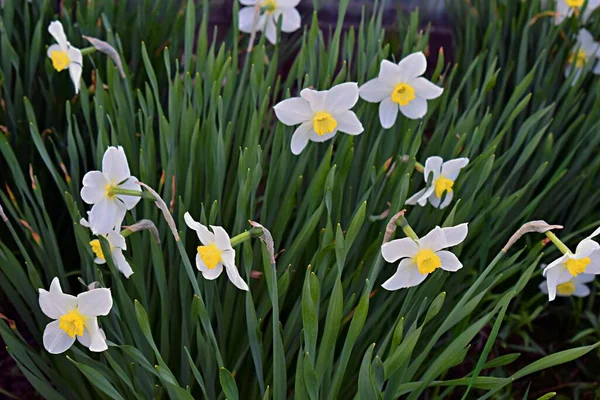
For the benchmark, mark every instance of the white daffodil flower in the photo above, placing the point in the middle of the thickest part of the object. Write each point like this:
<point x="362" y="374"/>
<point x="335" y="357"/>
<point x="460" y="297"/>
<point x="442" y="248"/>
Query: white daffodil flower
<point x="63" y="55"/>
<point x="442" y="181"/>
<point x="109" y="208"/>
<point x="566" y="8"/>
<point x="75" y="317"/>
<point x="321" y="114"/>
<point x="270" y="11"/>
<point x="117" y="245"/>
<point x="215" y="253"/>
<point x="401" y="86"/>
<point x="586" y="259"/>
<point x="422" y="257"/>
<point x="586" y="50"/>
<point x="575" y="287"/>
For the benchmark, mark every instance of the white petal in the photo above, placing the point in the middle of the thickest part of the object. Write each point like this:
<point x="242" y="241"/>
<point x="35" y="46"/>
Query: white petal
<point x="55" y="303"/>
<point x="316" y="99"/>
<point x="287" y="3"/>
<point x="451" y="168"/>
<point x="293" y="111"/>
<point x="585" y="39"/>
<point x="447" y="199"/>
<point x="562" y="11"/>
<point x="390" y="74"/>
<point x="594" y="266"/>
<point x="585" y="248"/>
<point x="121" y="262"/>
<point x="75" y="66"/>
<point x="555" y="275"/>
<point x="221" y="238"/>
<point x="400" y="248"/>
<point x="584" y="278"/>
<point x="271" y="30"/>
<point x="341" y="97"/>
<point x="435" y="201"/>
<point x="455" y="234"/>
<point x="374" y="91"/>
<point x="246" y="19"/>
<point x="427" y="195"/>
<point x="205" y="236"/>
<point x="388" y="111"/>
<point x="348" y="122"/>
<point x="291" y="20"/>
<point x="312" y="135"/>
<point x="581" y="291"/>
<point x="116" y="240"/>
<point x="56" y="340"/>
<point x="300" y="137"/>
<point x="425" y="89"/>
<point x="434" y="240"/>
<point x="130" y="184"/>
<point x="412" y="66"/>
<point x="95" y="302"/>
<point x="412" y="200"/>
<point x="594" y="234"/>
<point x="99" y="261"/>
<point x="92" y="195"/>
<point x="58" y="33"/>
<point x="95" y="336"/>
<point x="543" y="287"/>
<point x="247" y="2"/>
<point x="94" y="183"/>
<point x="449" y="261"/>
<point x="104" y="215"/>
<point x="114" y="164"/>
<point x="234" y="275"/>
<point x="407" y="275"/>
<point x="416" y="109"/>
<point x="209" y="274"/>
<point x="433" y="165"/>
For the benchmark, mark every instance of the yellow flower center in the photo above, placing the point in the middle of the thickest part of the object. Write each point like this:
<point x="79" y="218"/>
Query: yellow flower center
<point x="108" y="190"/>
<point x="60" y="60"/>
<point x="579" y="58"/>
<point x="566" y="289"/>
<point x="269" y="6"/>
<point x="443" y="184"/>
<point x="427" y="261"/>
<point x="577" y="266"/>
<point x="324" y="123"/>
<point x="97" y="248"/>
<point x="574" y="3"/>
<point x="210" y="255"/>
<point x="72" y="323"/>
<point x="403" y="94"/>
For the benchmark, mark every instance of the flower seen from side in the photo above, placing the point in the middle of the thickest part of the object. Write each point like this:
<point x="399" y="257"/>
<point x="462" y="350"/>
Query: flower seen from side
<point x="575" y="287"/>
<point x="63" y="55"/>
<point x="439" y="177"/>
<point x="215" y="253"/>
<point x="100" y="189"/>
<point x="567" y="8"/>
<point x="587" y="50"/>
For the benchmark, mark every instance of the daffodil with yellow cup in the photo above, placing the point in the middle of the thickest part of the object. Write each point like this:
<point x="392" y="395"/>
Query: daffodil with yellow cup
<point x="420" y="257"/>
<point x="215" y="253"/>
<point x="64" y="55"/>
<point x="74" y="318"/>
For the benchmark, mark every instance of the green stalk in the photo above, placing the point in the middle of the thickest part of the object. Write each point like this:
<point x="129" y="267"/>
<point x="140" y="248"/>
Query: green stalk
<point x="558" y="243"/>
<point x="242" y="237"/>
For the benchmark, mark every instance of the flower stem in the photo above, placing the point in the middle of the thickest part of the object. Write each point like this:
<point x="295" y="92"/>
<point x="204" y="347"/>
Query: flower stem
<point x="88" y="50"/>
<point x="402" y="222"/>
<point x="419" y="167"/>
<point x="242" y="237"/>
<point x="558" y="243"/>
<point x="127" y="192"/>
